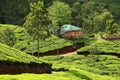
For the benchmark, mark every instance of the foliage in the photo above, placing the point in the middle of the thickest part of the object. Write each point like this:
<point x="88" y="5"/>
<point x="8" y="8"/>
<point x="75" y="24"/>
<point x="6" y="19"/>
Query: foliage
<point x="96" y="18"/>
<point x="76" y="14"/>
<point x="102" y="47"/>
<point x="10" y="54"/>
<point x="22" y="37"/>
<point x="73" y="74"/>
<point x="7" y="37"/>
<point x="16" y="34"/>
<point x="59" y="13"/>
<point x="112" y="6"/>
<point x="78" y="69"/>
<point x="49" y="44"/>
<point x="37" y="22"/>
<point x="13" y="12"/>
<point x="103" y="66"/>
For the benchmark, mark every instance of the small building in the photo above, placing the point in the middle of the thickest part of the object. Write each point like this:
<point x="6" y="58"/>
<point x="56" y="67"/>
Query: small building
<point x="69" y="31"/>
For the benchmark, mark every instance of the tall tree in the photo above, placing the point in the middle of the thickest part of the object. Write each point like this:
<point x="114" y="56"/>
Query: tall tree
<point x="13" y="12"/>
<point x="37" y="23"/>
<point x="59" y="13"/>
<point x="96" y="18"/>
<point x="76" y="14"/>
<point x="7" y="36"/>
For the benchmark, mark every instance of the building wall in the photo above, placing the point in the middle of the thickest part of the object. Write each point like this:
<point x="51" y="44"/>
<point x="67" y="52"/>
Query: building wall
<point x="73" y="34"/>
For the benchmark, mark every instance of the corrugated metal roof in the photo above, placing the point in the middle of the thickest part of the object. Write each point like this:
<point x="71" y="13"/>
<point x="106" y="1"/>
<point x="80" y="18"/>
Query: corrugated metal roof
<point x="67" y="27"/>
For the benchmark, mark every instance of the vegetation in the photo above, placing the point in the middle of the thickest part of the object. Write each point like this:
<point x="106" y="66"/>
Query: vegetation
<point x="112" y="6"/>
<point x="22" y="37"/>
<point x="73" y="74"/>
<point x="37" y="23"/>
<point x="10" y="54"/>
<point x="105" y="65"/>
<point x="50" y="44"/>
<point x="7" y="37"/>
<point x="38" y="19"/>
<point x="15" y="35"/>
<point x="59" y="13"/>
<point x="102" y="46"/>
<point x="13" y="12"/>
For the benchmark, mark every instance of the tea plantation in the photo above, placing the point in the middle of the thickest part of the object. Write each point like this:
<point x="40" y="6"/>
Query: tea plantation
<point x="10" y="54"/>
<point x="76" y="67"/>
<point x="22" y="37"/>
<point x="102" y="47"/>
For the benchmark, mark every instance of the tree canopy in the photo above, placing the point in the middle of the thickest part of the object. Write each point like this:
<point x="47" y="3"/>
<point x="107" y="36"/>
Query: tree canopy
<point x="13" y="12"/>
<point x="59" y="13"/>
<point x="37" y="22"/>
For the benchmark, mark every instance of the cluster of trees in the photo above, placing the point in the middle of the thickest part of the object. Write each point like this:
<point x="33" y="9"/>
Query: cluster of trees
<point x="83" y="13"/>
<point x="38" y="16"/>
<point x="13" y="12"/>
<point x="90" y="16"/>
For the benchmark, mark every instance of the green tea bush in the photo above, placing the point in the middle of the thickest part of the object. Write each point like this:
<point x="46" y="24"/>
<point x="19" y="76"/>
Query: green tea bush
<point x="10" y="54"/>
<point x="30" y="46"/>
<point x="52" y="58"/>
<point x="102" y="47"/>
<point x="106" y="64"/>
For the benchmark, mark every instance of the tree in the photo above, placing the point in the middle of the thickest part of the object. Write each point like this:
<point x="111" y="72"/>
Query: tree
<point x="13" y="12"/>
<point x="37" y="23"/>
<point x="59" y="13"/>
<point x="7" y="37"/>
<point x="105" y="22"/>
<point x="76" y="14"/>
<point x="96" y="18"/>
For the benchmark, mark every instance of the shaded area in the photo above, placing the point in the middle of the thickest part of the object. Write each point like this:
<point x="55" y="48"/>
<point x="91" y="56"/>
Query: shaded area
<point x="64" y="50"/>
<point x="18" y="68"/>
<point x="86" y="53"/>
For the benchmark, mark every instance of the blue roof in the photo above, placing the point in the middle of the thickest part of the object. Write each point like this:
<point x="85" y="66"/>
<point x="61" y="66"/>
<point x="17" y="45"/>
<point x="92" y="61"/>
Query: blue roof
<point x="67" y="27"/>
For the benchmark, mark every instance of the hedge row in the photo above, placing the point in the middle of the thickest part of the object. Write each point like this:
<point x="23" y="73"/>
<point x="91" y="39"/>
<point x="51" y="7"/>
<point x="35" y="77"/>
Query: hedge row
<point x="102" y="64"/>
<point x="9" y="54"/>
<point x="102" y="46"/>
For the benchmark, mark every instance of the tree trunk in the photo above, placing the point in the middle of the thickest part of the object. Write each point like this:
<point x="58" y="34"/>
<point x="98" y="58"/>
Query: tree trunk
<point x="33" y="47"/>
<point x="57" y="51"/>
<point x="38" y="42"/>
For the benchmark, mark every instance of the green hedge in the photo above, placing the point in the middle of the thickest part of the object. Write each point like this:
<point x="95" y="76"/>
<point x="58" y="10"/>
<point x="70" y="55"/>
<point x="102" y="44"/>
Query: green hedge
<point x="105" y="64"/>
<point x="9" y="54"/>
<point x="51" y="43"/>
<point x="102" y="46"/>
<point x="22" y="37"/>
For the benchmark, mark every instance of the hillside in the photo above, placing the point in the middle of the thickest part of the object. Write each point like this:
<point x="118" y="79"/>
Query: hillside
<point x="22" y="37"/>
<point x="75" y="67"/>
<point x="18" y="62"/>
<point x="101" y="47"/>
<point x="60" y="40"/>
<point x="13" y="55"/>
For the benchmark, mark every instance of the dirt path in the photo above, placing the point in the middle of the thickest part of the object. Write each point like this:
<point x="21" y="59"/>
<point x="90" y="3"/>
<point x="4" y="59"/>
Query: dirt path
<point x="71" y="53"/>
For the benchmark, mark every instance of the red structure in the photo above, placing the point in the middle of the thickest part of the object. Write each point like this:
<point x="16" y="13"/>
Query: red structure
<point x="68" y="31"/>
